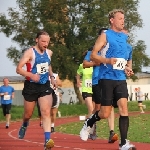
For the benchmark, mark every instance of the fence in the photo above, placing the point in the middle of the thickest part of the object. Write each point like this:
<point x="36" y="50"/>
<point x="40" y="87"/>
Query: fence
<point x="69" y="96"/>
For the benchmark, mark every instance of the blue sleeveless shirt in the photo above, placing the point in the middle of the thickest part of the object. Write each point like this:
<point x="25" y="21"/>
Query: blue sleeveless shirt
<point x="117" y="48"/>
<point x="95" y="69"/>
<point x="39" y="65"/>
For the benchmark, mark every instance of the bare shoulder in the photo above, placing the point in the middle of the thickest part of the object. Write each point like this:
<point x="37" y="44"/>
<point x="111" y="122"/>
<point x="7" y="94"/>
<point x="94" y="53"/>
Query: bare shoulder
<point x="50" y="52"/>
<point x="102" y="37"/>
<point x="28" y="53"/>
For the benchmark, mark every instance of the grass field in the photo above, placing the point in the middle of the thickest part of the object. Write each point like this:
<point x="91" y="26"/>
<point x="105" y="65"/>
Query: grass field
<point x="139" y="129"/>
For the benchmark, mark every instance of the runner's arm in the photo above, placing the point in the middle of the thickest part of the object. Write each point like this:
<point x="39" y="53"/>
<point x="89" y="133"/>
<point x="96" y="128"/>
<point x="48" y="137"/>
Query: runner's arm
<point x="27" y="56"/>
<point x="99" y="45"/>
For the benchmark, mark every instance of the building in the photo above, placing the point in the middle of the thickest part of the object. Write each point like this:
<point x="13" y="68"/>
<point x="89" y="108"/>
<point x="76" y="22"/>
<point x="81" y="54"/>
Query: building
<point x="69" y="95"/>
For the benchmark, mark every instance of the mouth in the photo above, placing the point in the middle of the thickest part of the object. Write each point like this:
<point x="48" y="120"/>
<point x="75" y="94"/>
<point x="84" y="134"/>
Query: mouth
<point x="44" y="47"/>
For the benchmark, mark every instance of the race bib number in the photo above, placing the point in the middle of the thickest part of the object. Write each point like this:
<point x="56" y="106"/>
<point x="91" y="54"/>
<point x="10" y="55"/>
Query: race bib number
<point x="6" y="97"/>
<point x="42" y="68"/>
<point x="88" y="83"/>
<point x="120" y="64"/>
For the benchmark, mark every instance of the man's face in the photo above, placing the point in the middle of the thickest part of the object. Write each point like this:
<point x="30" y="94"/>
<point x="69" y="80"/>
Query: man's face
<point x="118" y="21"/>
<point x="43" y="42"/>
<point x="6" y="81"/>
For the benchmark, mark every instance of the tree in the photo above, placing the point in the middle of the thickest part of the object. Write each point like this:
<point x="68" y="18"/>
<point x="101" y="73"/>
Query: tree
<point x="72" y="25"/>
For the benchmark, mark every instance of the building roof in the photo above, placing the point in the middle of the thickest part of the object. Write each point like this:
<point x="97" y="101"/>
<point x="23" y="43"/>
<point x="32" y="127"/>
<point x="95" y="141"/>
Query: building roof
<point x="21" y="78"/>
<point x="143" y="75"/>
<point x="13" y="78"/>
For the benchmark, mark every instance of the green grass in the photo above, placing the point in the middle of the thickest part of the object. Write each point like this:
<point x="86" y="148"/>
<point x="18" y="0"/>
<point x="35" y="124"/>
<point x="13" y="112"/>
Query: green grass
<point x="16" y="113"/>
<point x="67" y="110"/>
<point x="139" y="130"/>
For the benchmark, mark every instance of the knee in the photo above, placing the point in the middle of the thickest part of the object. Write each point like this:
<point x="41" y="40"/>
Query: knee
<point x="104" y="115"/>
<point x="97" y="107"/>
<point x="28" y="115"/>
<point x="123" y="110"/>
<point x="45" y="113"/>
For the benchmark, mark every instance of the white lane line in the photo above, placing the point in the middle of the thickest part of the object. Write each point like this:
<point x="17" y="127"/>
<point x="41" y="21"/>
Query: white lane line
<point x="29" y="141"/>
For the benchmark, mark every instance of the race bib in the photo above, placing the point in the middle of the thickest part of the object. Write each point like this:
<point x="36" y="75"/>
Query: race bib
<point x="7" y="97"/>
<point x="88" y="83"/>
<point x="42" y="68"/>
<point x="120" y="64"/>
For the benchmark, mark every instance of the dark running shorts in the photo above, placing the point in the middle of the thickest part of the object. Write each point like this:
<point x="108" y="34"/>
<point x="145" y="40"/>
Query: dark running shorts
<point x="112" y="91"/>
<point x="53" y="104"/>
<point x="85" y="95"/>
<point x="6" y="109"/>
<point x="55" y="99"/>
<point x="96" y="93"/>
<point x="32" y="91"/>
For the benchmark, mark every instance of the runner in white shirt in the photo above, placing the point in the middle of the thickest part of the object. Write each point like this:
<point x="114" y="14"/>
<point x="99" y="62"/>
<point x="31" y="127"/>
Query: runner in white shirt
<point x="56" y="102"/>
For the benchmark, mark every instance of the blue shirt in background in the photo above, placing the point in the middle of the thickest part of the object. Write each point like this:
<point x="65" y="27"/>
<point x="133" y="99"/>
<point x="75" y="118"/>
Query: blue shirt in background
<point x="8" y="98"/>
<point x="95" y="69"/>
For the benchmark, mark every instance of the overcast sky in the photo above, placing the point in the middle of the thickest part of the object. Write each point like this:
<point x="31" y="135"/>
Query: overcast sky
<point x="6" y="66"/>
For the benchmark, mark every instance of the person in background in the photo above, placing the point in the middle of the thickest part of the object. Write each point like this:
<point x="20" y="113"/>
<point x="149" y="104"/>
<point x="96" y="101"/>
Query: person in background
<point x="86" y="75"/>
<point x="7" y="94"/>
<point x="56" y="99"/>
<point x="140" y="98"/>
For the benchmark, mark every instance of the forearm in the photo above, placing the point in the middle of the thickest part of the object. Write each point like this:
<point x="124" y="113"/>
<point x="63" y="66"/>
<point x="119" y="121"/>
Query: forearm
<point x="99" y="59"/>
<point x="78" y="78"/>
<point x="87" y="64"/>
<point x="13" y="95"/>
<point x="129" y="64"/>
<point x="50" y="71"/>
<point x="23" y="72"/>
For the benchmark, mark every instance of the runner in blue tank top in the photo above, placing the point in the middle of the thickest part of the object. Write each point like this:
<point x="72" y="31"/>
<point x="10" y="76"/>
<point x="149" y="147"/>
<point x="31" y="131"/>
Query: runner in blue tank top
<point x="97" y="92"/>
<point x="112" y="77"/>
<point x="37" y="86"/>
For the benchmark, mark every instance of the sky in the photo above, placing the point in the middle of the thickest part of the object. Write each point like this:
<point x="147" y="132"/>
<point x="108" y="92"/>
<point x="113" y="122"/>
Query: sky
<point x="8" y="69"/>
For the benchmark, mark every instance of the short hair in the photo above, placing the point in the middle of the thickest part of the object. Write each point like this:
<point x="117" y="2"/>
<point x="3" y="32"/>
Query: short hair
<point x="113" y="12"/>
<point x="101" y="30"/>
<point x="5" y="78"/>
<point x="41" y="33"/>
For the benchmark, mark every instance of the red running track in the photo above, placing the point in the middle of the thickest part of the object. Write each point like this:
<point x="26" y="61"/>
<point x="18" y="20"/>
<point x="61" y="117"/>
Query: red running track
<point x="34" y="139"/>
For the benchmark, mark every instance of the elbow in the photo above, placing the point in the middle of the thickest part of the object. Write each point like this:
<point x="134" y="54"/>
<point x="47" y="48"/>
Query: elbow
<point x="92" y="58"/>
<point x="17" y="70"/>
<point x="84" y="65"/>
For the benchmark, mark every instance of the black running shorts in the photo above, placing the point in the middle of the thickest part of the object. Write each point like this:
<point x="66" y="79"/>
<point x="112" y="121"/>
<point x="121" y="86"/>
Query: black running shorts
<point x="112" y="91"/>
<point x="96" y="93"/>
<point x="55" y="99"/>
<point x="6" y="109"/>
<point x="85" y="95"/>
<point x="32" y="91"/>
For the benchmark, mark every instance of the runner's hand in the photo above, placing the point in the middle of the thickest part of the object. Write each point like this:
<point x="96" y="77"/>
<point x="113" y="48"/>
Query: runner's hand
<point x="6" y="93"/>
<point x="129" y="72"/>
<point x="111" y="61"/>
<point x="35" y="77"/>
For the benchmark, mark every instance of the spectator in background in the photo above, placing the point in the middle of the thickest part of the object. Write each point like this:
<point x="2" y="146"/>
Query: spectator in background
<point x="7" y="94"/>
<point x="140" y="98"/>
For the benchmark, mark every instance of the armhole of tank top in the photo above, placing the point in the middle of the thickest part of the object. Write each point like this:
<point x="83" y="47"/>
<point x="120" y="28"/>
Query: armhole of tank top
<point x="33" y="57"/>
<point x="48" y="54"/>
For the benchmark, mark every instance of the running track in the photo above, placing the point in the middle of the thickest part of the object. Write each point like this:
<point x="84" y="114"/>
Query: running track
<point x="34" y="139"/>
